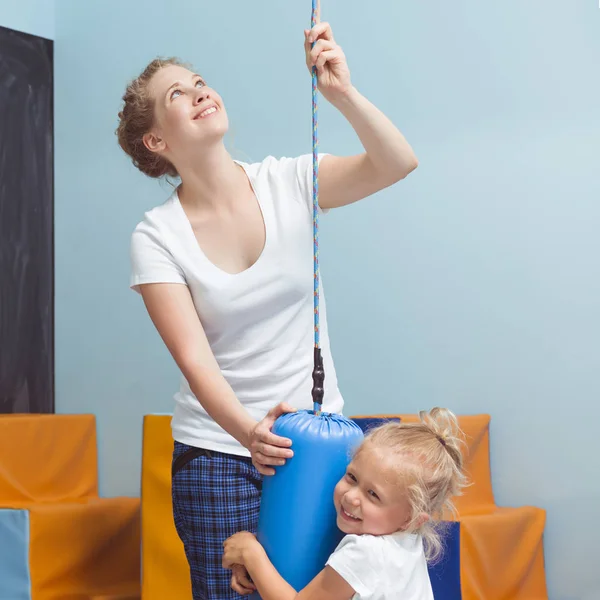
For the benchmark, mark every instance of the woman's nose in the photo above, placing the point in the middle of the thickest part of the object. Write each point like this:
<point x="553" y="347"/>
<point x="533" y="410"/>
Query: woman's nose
<point x="201" y="95"/>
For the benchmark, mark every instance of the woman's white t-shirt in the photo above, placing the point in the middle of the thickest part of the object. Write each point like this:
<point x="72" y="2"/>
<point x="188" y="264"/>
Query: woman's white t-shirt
<point x="259" y="322"/>
<point x="383" y="567"/>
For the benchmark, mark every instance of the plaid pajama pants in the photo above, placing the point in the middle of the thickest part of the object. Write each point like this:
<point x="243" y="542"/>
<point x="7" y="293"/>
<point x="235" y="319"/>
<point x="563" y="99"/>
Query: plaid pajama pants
<point x="214" y="496"/>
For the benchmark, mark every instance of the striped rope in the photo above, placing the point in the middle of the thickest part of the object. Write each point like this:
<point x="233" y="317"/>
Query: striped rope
<point x="315" y="143"/>
<point x="318" y="373"/>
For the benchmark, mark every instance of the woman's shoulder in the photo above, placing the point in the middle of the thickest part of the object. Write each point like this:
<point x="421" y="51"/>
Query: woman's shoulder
<point x="272" y="160"/>
<point x="154" y="230"/>
<point x="286" y="166"/>
<point x="156" y="217"/>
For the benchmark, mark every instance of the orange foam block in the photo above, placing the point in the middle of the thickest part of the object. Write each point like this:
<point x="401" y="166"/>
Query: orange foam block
<point x="502" y="555"/>
<point x="165" y="571"/>
<point x="479" y="496"/>
<point x="103" y="597"/>
<point x="47" y="458"/>
<point x="85" y="549"/>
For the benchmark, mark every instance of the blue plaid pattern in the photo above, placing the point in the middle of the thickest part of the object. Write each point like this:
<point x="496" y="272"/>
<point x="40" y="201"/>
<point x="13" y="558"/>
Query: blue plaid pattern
<point x="214" y="497"/>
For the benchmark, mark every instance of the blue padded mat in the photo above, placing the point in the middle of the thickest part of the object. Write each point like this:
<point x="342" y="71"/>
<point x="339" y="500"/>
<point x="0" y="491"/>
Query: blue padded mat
<point x="366" y="423"/>
<point x="445" y="574"/>
<point x="15" y="582"/>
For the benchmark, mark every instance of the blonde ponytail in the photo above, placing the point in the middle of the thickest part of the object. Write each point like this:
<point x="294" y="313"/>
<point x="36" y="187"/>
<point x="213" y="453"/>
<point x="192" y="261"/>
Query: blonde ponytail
<point x="433" y="466"/>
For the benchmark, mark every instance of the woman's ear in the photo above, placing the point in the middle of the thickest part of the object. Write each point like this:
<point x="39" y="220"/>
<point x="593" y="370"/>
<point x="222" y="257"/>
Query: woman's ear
<point x="153" y="142"/>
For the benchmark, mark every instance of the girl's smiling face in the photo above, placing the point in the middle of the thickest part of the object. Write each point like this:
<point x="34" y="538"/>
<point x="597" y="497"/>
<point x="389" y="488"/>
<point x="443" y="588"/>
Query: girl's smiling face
<point x="371" y="498"/>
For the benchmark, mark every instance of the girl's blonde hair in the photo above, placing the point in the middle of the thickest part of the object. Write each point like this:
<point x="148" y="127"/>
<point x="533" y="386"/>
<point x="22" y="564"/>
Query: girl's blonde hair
<point x="137" y="118"/>
<point x="431" y="465"/>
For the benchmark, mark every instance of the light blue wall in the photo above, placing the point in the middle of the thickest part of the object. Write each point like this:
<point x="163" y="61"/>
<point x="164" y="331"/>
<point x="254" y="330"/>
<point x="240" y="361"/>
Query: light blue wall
<point x="474" y="284"/>
<point x="31" y="16"/>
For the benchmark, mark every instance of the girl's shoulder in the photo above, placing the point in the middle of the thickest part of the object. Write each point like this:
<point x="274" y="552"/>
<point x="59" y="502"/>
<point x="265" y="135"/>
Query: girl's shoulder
<point x="382" y="546"/>
<point x="361" y="544"/>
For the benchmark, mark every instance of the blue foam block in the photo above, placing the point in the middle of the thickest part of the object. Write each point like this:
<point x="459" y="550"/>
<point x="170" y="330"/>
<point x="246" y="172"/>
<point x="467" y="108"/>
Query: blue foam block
<point x="445" y="574"/>
<point x="15" y="582"/>
<point x="366" y="423"/>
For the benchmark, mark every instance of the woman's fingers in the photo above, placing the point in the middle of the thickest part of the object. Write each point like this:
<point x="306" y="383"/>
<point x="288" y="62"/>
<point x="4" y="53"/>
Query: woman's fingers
<point x="265" y="459"/>
<point x="269" y="457"/>
<point x="320" y="30"/>
<point x="273" y="445"/>
<point x="319" y="48"/>
<point x="262" y="469"/>
<point x="266" y="447"/>
<point x="272" y="416"/>
<point x="272" y="461"/>
<point x="325" y="57"/>
<point x="280" y="409"/>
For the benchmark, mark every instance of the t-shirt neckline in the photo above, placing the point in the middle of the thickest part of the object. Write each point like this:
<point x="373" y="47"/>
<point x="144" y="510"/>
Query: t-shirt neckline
<point x="189" y="231"/>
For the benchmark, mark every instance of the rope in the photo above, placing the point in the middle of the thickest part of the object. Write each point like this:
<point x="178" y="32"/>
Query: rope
<point x="318" y="372"/>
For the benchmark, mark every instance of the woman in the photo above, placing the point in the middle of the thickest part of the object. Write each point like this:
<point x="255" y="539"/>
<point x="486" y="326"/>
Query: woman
<point x="224" y="267"/>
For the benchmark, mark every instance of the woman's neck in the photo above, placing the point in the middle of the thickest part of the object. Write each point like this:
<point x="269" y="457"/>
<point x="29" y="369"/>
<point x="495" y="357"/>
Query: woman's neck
<point x="212" y="181"/>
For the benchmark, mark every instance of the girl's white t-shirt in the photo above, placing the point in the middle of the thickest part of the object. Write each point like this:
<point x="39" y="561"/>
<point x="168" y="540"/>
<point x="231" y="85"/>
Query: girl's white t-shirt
<point x="383" y="567"/>
<point x="259" y="322"/>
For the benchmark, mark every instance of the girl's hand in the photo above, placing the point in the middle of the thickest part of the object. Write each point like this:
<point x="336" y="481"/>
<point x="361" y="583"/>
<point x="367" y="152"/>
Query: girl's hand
<point x="236" y="548"/>
<point x="240" y="581"/>
<point x="266" y="447"/>
<point x="333" y="74"/>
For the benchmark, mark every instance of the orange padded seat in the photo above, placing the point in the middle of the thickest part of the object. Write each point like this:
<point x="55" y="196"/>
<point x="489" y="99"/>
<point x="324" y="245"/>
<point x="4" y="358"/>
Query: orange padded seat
<point x="80" y="546"/>
<point x="502" y="555"/>
<point x="47" y="458"/>
<point x="165" y="571"/>
<point x="89" y="547"/>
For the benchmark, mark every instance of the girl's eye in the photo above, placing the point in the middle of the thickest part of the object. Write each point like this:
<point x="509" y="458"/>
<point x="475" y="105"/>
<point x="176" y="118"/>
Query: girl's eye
<point x="350" y="477"/>
<point x="175" y="92"/>
<point x="373" y="494"/>
<point x="202" y="84"/>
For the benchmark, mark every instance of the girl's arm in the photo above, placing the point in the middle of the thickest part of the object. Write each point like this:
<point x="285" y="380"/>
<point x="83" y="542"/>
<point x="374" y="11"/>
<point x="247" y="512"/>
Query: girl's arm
<point x="387" y="158"/>
<point x="244" y="549"/>
<point x="172" y="311"/>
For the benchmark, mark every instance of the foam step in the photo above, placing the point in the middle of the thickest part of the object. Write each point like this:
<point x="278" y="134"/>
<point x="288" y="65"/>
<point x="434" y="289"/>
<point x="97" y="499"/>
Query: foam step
<point x="112" y="597"/>
<point x="502" y="555"/>
<point x="91" y="547"/>
<point x="103" y="597"/>
<point x="497" y="556"/>
<point x="165" y="571"/>
<point x="47" y="458"/>
<point x="71" y="550"/>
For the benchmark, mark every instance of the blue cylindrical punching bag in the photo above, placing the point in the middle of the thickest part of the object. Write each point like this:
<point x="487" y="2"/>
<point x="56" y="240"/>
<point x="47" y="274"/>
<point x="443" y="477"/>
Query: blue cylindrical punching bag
<point x="297" y="522"/>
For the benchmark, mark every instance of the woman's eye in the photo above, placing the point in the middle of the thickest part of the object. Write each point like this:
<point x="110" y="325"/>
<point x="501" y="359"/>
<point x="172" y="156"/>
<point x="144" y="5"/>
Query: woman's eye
<point x="200" y="83"/>
<point x="175" y="92"/>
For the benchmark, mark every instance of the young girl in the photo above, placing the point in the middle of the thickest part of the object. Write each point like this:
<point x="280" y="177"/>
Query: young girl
<point x="400" y="480"/>
<point x="225" y="270"/>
